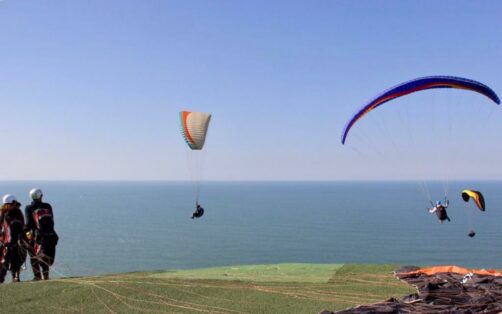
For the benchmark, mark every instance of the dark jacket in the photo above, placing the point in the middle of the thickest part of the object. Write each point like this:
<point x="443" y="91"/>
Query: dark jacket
<point x="441" y="213"/>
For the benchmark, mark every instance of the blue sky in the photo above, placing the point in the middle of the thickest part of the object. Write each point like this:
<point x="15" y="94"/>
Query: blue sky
<point x="91" y="89"/>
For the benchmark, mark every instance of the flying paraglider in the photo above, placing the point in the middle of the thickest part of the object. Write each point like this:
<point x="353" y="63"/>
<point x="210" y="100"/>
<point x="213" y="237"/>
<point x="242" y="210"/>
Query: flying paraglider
<point x="194" y="126"/>
<point x="416" y="85"/>
<point x="478" y="199"/>
<point x="440" y="134"/>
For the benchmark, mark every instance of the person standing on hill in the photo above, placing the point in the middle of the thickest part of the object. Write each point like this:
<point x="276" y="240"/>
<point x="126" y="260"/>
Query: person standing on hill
<point x="40" y="225"/>
<point x="13" y="253"/>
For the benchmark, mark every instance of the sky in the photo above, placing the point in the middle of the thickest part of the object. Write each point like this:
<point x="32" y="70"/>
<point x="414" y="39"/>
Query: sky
<point x="91" y="90"/>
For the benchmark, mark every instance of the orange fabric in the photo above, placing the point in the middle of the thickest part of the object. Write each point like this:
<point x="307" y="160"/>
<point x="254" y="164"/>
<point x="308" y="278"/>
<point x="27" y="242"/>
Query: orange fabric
<point x="185" y="128"/>
<point x="455" y="269"/>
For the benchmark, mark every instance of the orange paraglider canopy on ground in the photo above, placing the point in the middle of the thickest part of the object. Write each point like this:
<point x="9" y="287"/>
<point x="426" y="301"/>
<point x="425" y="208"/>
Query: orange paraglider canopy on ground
<point x="430" y="271"/>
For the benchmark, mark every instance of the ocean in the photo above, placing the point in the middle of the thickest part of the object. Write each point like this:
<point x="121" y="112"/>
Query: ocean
<point x="113" y="227"/>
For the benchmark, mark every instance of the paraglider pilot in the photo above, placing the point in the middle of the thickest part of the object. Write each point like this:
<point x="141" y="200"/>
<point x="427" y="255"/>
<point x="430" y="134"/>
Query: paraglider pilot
<point x="440" y="211"/>
<point x="199" y="211"/>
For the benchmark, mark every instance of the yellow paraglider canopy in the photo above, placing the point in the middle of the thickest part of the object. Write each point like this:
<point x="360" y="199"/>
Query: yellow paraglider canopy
<point x="476" y="196"/>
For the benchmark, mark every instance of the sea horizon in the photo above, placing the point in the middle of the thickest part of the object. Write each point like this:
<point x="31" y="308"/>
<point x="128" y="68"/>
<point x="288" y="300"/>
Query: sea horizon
<point x="113" y="227"/>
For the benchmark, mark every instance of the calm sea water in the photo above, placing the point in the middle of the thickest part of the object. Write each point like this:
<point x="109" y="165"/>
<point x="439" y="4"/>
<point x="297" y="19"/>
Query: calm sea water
<point x="110" y="227"/>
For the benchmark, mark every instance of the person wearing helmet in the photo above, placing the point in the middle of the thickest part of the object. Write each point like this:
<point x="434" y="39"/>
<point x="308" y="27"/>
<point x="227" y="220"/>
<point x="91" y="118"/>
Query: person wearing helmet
<point x="440" y="210"/>
<point x="40" y="228"/>
<point x="13" y="253"/>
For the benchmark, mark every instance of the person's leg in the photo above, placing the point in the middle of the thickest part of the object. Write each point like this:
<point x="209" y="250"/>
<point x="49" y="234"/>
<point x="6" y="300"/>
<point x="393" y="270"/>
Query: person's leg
<point x="35" y="261"/>
<point x="45" y="269"/>
<point x="46" y="258"/>
<point x="18" y="256"/>
<point x="15" y="275"/>
<point x="3" y="272"/>
<point x="35" y="266"/>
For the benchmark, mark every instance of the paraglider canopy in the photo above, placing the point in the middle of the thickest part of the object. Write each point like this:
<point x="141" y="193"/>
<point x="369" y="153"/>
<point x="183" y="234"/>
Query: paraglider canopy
<point x="476" y="196"/>
<point x="194" y="127"/>
<point x="416" y="85"/>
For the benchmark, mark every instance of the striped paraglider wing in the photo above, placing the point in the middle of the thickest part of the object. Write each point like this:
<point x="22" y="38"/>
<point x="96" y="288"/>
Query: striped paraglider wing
<point x="194" y="127"/>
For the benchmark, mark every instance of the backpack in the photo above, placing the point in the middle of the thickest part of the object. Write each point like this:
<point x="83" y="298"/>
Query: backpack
<point x="45" y="235"/>
<point x="12" y="229"/>
<point x="44" y="221"/>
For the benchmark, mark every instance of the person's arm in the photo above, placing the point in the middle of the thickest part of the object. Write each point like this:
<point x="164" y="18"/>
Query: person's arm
<point x="1" y="224"/>
<point x="433" y="209"/>
<point x="20" y="215"/>
<point x="446" y="203"/>
<point x="29" y="218"/>
<point x="50" y="208"/>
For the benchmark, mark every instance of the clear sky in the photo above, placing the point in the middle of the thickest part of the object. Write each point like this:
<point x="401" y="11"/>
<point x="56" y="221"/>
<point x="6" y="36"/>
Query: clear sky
<point x="92" y="89"/>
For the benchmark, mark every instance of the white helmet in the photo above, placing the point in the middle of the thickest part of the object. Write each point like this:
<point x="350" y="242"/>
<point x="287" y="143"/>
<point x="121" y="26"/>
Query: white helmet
<point x="9" y="199"/>
<point x="36" y="194"/>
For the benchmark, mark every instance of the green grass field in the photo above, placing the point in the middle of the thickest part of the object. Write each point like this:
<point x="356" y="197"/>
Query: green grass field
<point x="279" y="288"/>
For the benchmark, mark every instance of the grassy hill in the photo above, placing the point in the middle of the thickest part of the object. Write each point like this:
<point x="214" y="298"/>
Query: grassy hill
<point x="279" y="288"/>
